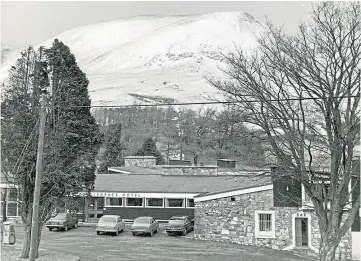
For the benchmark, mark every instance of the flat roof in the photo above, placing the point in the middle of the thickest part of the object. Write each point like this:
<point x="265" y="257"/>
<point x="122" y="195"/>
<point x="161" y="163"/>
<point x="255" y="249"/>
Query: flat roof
<point x="155" y="183"/>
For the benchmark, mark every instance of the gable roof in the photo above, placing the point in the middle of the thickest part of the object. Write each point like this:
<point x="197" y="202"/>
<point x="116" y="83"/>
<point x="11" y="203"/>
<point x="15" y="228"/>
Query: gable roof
<point x="154" y="183"/>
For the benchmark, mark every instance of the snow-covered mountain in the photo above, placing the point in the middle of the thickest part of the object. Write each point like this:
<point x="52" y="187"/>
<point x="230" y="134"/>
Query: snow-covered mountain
<point x="157" y="58"/>
<point x="8" y="52"/>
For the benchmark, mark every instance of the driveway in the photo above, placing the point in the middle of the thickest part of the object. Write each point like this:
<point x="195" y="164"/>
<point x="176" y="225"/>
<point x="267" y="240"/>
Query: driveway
<point x="84" y="243"/>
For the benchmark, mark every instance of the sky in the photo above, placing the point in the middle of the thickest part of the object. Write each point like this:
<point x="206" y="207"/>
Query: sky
<point x="30" y="22"/>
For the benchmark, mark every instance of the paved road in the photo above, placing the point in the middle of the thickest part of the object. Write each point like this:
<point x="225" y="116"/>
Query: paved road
<point x="84" y="242"/>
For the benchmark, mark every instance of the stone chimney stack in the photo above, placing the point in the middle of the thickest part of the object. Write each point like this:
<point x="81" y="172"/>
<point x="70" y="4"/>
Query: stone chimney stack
<point x="140" y="161"/>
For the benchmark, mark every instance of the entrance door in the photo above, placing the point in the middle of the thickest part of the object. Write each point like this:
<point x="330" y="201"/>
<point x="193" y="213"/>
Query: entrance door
<point x="301" y="232"/>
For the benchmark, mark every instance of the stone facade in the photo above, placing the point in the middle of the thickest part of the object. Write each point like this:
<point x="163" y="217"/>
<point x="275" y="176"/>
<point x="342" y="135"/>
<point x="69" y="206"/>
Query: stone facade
<point x="140" y="161"/>
<point x="190" y="170"/>
<point x="232" y="219"/>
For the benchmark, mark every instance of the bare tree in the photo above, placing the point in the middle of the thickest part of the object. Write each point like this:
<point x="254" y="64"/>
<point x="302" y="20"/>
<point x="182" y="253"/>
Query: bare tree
<point x="303" y="91"/>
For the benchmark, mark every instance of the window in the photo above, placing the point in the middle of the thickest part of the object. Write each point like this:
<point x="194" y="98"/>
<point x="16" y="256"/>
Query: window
<point x="134" y="202"/>
<point x="12" y="194"/>
<point x="113" y="202"/>
<point x="190" y="203"/>
<point x="265" y="224"/>
<point x="175" y="203"/>
<point x="154" y="202"/>
<point x="12" y="209"/>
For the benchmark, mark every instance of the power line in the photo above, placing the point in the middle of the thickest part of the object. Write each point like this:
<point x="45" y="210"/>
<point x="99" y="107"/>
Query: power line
<point x="206" y="103"/>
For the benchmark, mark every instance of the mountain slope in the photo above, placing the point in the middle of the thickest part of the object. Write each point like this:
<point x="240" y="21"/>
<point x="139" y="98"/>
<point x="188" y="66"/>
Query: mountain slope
<point x="155" y="58"/>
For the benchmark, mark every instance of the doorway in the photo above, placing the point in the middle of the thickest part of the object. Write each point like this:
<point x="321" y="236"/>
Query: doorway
<point x="301" y="232"/>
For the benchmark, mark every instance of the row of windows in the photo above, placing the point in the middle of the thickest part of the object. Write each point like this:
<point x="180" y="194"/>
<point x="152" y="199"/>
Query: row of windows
<point x="150" y="202"/>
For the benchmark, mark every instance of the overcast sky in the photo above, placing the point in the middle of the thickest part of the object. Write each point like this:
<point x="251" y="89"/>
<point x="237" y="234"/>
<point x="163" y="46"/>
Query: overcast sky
<point x="24" y="23"/>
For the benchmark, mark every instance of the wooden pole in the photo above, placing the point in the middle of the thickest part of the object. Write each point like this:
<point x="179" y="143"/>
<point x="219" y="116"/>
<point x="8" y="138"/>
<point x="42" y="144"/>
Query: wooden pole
<point x="39" y="167"/>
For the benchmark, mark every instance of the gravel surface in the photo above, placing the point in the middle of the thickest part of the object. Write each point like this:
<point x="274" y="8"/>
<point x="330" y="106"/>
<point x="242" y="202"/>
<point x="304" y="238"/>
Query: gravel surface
<point x="12" y="253"/>
<point x="84" y="242"/>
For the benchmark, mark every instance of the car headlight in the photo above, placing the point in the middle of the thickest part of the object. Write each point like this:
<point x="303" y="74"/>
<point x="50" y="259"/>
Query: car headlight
<point x="180" y="228"/>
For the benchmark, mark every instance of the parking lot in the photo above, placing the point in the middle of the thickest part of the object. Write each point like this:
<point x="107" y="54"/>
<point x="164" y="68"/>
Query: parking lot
<point x="84" y="243"/>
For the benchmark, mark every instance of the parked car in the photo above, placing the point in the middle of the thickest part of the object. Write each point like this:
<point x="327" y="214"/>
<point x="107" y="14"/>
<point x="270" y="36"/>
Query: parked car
<point x="179" y="225"/>
<point x="62" y="221"/>
<point x="110" y="224"/>
<point x="145" y="225"/>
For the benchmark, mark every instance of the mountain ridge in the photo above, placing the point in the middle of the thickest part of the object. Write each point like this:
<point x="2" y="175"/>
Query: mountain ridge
<point x="160" y="56"/>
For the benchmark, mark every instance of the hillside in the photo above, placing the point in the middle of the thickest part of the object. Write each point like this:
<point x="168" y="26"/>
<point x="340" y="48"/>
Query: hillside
<point x="156" y="58"/>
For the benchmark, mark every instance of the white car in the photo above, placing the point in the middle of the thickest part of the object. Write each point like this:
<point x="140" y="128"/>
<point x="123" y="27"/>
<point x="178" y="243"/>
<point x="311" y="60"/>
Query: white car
<point x="110" y="224"/>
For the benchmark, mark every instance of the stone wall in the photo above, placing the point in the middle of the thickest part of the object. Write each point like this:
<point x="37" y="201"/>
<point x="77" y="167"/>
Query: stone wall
<point x="190" y="170"/>
<point x="140" y="161"/>
<point x="234" y="221"/>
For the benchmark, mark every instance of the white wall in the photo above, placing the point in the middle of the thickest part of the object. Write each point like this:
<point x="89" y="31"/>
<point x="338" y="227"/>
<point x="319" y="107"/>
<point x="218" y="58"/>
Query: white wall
<point x="356" y="246"/>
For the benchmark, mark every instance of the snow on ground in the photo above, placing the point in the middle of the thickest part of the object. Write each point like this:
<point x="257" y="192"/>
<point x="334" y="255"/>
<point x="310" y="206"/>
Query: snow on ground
<point x="167" y="56"/>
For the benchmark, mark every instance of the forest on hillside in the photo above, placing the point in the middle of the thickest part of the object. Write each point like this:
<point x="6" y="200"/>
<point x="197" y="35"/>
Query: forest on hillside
<point x="201" y="136"/>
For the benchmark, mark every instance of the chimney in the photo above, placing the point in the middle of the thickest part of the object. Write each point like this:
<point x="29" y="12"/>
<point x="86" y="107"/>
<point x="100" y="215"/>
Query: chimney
<point x="226" y="163"/>
<point x="140" y="161"/>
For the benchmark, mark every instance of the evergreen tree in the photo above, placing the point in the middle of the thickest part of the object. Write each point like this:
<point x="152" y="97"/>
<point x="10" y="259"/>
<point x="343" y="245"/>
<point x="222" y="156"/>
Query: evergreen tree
<point x="71" y="136"/>
<point x="113" y="154"/>
<point x="149" y="148"/>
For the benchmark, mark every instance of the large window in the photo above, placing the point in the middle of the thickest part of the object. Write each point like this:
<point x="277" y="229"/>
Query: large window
<point x="134" y="202"/>
<point x="154" y="202"/>
<point x="113" y="202"/>
<point x="265" y="224"/>
<point x="175" y="203"/>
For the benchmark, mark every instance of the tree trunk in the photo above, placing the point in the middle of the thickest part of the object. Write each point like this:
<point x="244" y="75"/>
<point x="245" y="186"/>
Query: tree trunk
<point x="26" y="245"/>
<point x="328" y="247"/>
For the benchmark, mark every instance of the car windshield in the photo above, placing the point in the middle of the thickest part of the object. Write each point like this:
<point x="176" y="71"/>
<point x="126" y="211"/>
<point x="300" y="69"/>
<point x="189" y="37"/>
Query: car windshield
<point x="60" y="216"/>
<point x="142" y="221"/>
<point x="176" y="221"/>
<point x="107" y="220"/>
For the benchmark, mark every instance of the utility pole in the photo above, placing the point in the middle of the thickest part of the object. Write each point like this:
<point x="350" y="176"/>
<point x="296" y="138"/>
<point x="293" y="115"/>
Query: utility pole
<point x="39" y="167"/>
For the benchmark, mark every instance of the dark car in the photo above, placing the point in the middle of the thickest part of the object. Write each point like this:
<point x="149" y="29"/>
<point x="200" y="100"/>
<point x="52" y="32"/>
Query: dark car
<point x="145" y="225"/>
<point x="179" y="225"/>
<point x="62" y="221"/>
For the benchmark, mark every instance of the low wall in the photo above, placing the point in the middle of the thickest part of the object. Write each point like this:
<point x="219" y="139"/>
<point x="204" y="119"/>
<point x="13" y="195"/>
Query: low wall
<point x="190" y="170"/>
<point x="157" y="213"/>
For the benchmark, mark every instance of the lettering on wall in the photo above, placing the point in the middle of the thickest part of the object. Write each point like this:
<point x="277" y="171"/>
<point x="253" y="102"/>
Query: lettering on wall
<point x="301" y="214"/>
<point x="115" y="195"/>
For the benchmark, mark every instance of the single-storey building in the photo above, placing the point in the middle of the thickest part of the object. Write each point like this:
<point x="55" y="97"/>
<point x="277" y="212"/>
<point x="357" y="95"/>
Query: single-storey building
<point x="142" y="188"/>
<point x="257" y="215"/>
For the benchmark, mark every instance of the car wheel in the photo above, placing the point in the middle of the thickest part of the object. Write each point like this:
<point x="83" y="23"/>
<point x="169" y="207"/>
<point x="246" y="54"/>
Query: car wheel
<point x="157" y="230"/>
<point x="98" y="232"/>
<point x="76" y="225"/>
<point x="184" y="232"/>
<point x="151" y="233"/>
<point x="50" y="228"/>
<point x="133" y="233"/>
<point x="169" y="234"/>
<point x="122" y="230"/>
<point x="66" y="228"/>
<point x="116" y="233"/>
